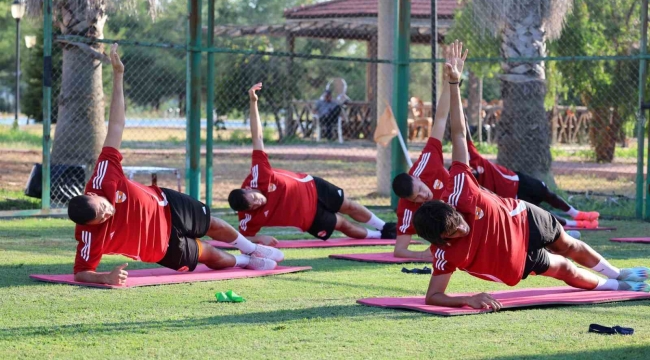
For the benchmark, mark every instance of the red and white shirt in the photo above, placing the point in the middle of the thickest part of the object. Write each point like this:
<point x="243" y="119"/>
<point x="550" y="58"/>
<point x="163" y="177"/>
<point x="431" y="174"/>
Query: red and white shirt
<point x="140" y="227"/>
<point x="496" y="178"/>
<point x="495" y="248"/>
<point x="291" y="197"/>
<point x="430" y="169"/>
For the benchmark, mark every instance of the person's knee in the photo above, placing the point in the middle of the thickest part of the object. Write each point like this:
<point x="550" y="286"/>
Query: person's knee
<point x="342" y="224"/>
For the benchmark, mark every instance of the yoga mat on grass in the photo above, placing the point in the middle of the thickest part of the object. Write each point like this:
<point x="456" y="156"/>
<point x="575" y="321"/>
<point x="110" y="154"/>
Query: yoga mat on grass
<point x="313" y="243"/>
<point x="383" y="258"/>
<point x="512" y="299"/>
<point x="160" y="276"/>
<point x="643" y="240"/>
<point x="604" y="228"/>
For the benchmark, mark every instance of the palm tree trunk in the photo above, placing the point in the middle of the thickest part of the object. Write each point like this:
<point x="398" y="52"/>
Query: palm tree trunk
<point x="81" y="130"/>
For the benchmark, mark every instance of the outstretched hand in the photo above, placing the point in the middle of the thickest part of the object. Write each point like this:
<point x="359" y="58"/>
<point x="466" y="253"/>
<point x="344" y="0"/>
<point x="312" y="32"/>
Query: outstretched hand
<point x="455" y="61"/>
<point x="251" y="93"/>
<point x="118" y="67"/>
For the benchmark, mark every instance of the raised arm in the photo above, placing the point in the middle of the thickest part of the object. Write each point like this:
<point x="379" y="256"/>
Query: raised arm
<point x="256" y="125"/>
<point x="116" y="117"/>
<point x="442" y="109"/>
<point x="458" y="130"/>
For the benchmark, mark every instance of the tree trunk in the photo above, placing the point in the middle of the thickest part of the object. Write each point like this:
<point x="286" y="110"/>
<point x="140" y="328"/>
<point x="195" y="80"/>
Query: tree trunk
<point x="603" y="130"/>
<point x="81" y="130"/>
<point x="523" y="133"/>
<point x="474" y="100"/>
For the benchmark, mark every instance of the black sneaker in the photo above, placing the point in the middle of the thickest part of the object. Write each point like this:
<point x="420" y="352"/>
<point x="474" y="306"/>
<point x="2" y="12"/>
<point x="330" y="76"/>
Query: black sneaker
<point x="389" y="231"/>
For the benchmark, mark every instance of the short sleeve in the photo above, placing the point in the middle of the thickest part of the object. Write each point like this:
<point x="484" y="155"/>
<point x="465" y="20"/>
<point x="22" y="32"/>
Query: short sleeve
<point x="462" y="189"/>
<point x="108" y="172"/>
<point x="430" y="160"/>
<point x="246" y="226"/>
<point x="440" y="264"/>
<point x="89" y="249"/>
<point x="405" y="211"/>
<point x="261" y="171"/>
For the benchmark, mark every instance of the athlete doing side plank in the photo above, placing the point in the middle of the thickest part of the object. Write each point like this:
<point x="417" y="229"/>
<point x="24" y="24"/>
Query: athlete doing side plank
<point x="273" y="197"/>
<point x="499" y="239"/>
<point x="147" y="223"/>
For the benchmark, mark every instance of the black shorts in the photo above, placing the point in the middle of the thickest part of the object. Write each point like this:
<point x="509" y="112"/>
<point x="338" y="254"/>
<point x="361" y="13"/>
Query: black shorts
<point x="330" y="200"/>
<point x="544" y="229"/>
<point x="190" y="221"/>
<point x="531" y="190"/>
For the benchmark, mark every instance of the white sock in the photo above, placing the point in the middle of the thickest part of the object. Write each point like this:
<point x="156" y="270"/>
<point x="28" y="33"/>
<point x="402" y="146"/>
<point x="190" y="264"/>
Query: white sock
<point x="376" y="222"/>
<point x="243" y="244"/>
<point x="607" y="284"/>
<point x="572" y="212"/>
<point x="373" y="234"/>
<point x="242" y="260"/>
<point x="605" y="268"/>
<point x="571" y="223"/>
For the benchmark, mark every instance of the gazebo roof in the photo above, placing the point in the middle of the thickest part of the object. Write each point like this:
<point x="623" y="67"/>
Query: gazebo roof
<point x="420" y="9"/>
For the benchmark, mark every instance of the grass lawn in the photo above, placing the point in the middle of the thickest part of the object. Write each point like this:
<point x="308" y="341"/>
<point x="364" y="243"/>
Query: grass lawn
<point x="295" y="316"/>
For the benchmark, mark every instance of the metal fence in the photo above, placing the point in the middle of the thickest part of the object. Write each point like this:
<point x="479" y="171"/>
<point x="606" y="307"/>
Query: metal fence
<point x="547" y="89"/>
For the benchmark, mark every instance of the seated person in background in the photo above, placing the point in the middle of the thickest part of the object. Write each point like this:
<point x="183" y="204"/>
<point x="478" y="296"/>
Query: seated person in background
<point x="328" y="112"/>
<point x="274" y="197"/>
<point x="147" y="223"/>
<point x="517" y="185"/>
<point x="425" y="180"/>
<point x="502" y="239"/>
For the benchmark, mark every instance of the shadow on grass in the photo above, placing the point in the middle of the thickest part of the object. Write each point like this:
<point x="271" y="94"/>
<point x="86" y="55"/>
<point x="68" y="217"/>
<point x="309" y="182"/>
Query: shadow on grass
<point x="261" y="318"/>
<point x="619" y="353"/>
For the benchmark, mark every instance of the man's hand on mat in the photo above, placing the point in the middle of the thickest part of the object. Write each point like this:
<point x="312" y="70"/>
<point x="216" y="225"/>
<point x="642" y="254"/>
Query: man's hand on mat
<point x="266" y="240"/>
<point x="483" y="301"/>
<point x="118" y="275"/>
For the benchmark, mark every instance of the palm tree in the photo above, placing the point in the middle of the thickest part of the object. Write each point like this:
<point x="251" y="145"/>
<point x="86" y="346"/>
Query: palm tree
<point x="523" y="26"/>
<point x="80" y="129"/>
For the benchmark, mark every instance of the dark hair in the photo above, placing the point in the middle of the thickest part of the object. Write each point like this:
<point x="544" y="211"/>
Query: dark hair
<point x="238" y="201"/>
<point x="81" y="210"/>
<point x="403" y="185"/>
<point x="433" y="219"/>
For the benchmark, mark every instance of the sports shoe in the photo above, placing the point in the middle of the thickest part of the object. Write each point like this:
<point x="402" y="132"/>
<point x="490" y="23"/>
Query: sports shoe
<point x="633" y="286"/>
<point x="263" y="251"/>
<point x="586" y="224"/>
<point x="574" y="234"/>
<point x="258" y="263"/>
<point x="389" y="231"/>
<point x="638" y="274"/>
<point x="587" y="215"/>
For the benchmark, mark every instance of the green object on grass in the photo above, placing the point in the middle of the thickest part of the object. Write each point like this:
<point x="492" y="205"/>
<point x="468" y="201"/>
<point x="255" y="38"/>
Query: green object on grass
<point x="222" y="297"/>
<point x="228" y="296"/>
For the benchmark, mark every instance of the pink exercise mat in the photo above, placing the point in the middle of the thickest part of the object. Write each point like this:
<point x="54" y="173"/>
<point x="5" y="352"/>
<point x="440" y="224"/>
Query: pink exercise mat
<point x="383" y="258"/>
<point x="604" y="228"/>
<point x="643" y="240"/>
<point x="160" y="276"/>
<point x="512" y="299"/>
<point x="313" y="243"/>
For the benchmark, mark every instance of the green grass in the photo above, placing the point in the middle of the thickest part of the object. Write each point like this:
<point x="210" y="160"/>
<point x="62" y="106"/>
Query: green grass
<point x="16" y="200"/>
<point x="17" y="139"/>
<point x="310" y="315"/>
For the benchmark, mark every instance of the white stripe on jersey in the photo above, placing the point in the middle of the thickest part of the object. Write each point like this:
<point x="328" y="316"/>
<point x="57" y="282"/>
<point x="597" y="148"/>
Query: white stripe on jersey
<point x="514" y="177"/>
<point x="307" y="178"/>
<point x="101" y="172"/>
<point x="86" y="238"/>
<point x="459" y="182"/>
<point x="254" y="172"/>
<point x="521" y="206"/>
<point x="406" y="220"/>
<point x="422" y="165"/>
<point x="244" y="221"/>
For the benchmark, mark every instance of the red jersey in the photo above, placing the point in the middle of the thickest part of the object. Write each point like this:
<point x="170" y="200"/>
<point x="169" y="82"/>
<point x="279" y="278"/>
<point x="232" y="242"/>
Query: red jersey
<point x="495" y="248"/>
<point x="141" y="226"/>
<point x="291" y="198"/>
<point x="496" y="178"/>
<point x="430" y="169"/>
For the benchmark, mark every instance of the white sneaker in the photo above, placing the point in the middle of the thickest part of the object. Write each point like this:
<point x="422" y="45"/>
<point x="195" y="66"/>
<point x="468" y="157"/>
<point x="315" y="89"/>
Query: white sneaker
<point x="263" y="251"/>
<point x="258" y="263"/>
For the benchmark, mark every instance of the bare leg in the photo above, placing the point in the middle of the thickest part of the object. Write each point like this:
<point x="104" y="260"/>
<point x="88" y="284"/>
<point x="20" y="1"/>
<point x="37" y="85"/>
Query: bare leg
<point x="356" y="211"/>
<point x="214" y="258"/>
<point x="348" y="228"/>
<point x="575" y="250"/>
<point x="221" y="231"/>
<point x="565" y="270"/>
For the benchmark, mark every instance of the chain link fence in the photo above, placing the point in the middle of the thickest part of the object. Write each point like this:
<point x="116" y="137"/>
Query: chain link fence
<point x="571" y="112"/>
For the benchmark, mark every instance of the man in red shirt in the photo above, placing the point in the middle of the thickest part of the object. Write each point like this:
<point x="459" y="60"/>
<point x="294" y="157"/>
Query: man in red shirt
<point x="517" y="185"/>
<point x="147" y="223"/>
<point x="425" y="180"/>
<point x="499" y="239"/>
<point x="274" y="197"/>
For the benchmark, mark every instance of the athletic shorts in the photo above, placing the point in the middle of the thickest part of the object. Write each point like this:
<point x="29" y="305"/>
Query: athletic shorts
<point x="544" y="229"/>
<point x="330" y="200"/>
<point x="531" y="190"/>
<point x="190" y="221"/>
